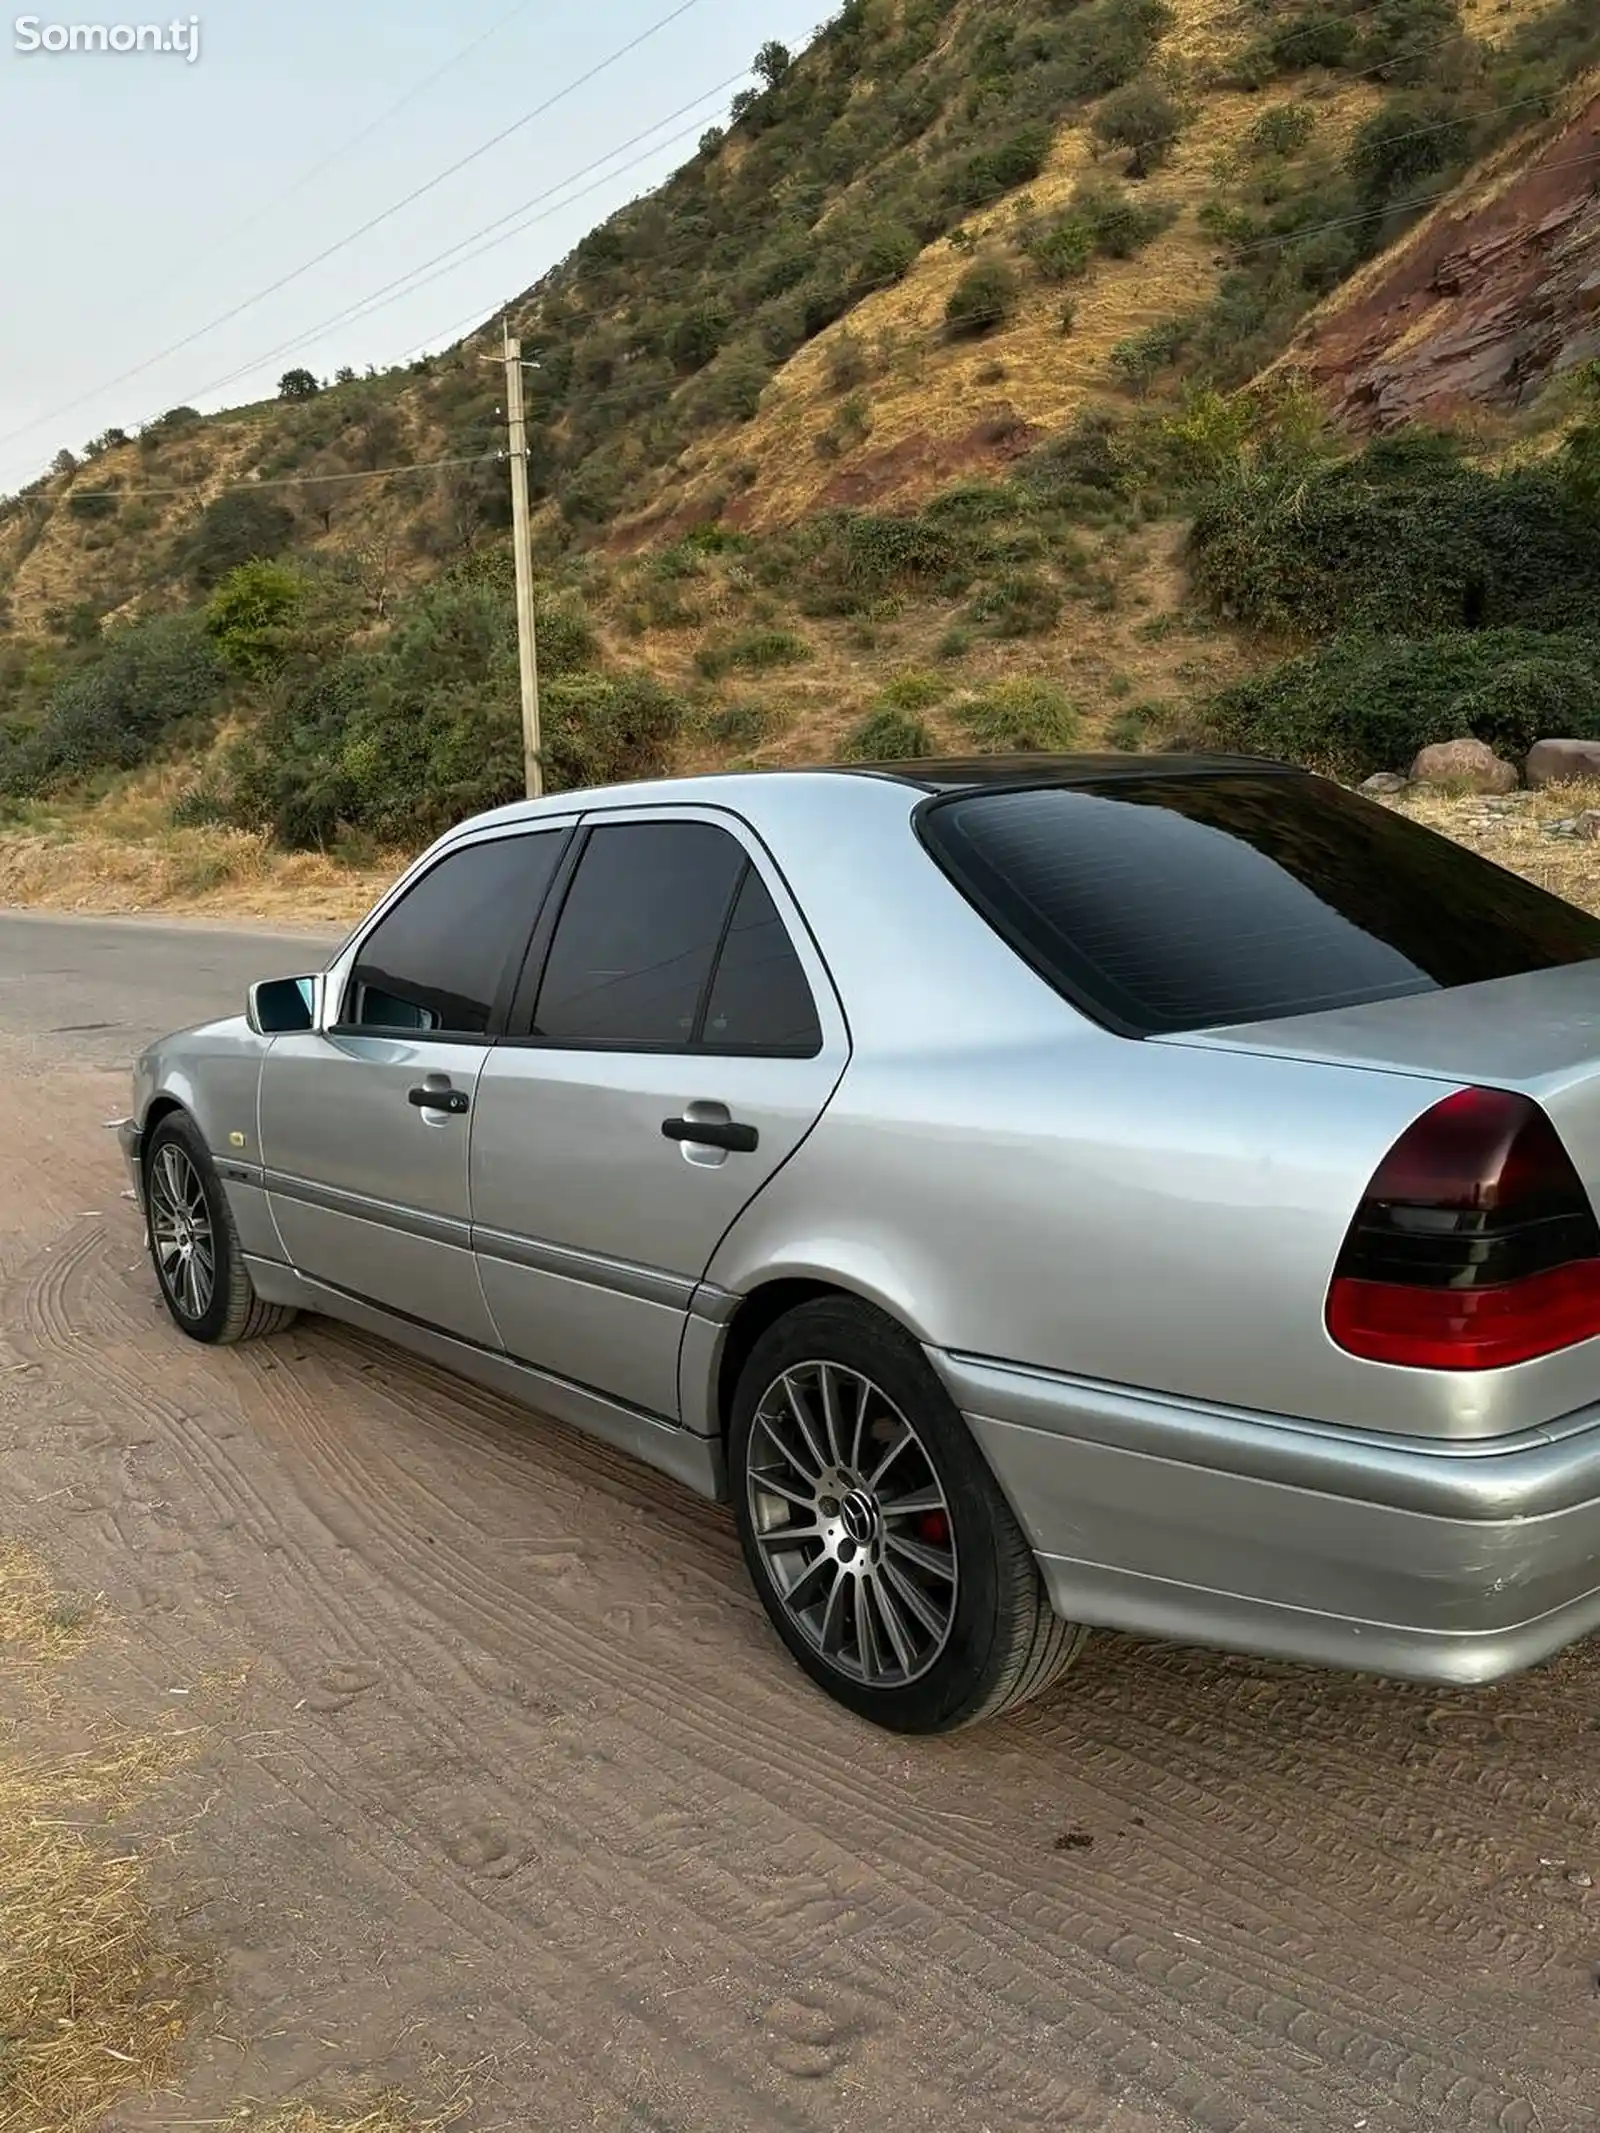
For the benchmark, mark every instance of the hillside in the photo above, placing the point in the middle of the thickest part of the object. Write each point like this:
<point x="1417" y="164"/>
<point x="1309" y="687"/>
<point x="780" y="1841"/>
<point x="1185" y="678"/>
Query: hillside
<point x="914" y="410"/>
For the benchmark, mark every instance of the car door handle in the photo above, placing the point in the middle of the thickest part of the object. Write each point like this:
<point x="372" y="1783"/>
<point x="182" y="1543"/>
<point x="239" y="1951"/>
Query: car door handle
<point x="425" y="1098"/>
<point x="713" y="1133"/>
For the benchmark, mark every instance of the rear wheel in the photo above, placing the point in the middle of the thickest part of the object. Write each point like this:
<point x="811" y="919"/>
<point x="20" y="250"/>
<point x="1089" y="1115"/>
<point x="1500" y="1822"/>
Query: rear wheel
<point x="881" y="1547"/>
<point x="194" y="1245"/>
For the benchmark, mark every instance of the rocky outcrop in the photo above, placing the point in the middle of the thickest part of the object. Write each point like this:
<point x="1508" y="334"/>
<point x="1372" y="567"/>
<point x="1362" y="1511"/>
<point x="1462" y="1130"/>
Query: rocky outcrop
<point x="1495" y="295"/>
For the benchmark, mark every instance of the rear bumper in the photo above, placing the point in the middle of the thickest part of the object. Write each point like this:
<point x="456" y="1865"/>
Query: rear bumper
<point x="1439" y="1562"/>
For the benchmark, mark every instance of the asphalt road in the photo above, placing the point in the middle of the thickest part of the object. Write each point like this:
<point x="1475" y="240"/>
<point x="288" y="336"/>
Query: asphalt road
<point x="103" y="988"/>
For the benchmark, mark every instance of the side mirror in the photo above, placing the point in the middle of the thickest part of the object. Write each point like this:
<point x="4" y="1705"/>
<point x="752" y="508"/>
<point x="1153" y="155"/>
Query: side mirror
<point x="278" y="1007"/>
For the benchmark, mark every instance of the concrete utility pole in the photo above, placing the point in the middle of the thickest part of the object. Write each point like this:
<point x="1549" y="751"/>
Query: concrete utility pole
<point x="527" y="645"/>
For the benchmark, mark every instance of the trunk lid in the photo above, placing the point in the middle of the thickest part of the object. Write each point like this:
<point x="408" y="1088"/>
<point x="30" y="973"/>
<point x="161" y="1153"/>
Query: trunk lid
<point x="1538" y="1033"/>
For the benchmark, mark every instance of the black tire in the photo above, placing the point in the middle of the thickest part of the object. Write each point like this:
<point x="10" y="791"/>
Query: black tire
<point x="1001" y="1642"/>
<point x="231" y="1310"/>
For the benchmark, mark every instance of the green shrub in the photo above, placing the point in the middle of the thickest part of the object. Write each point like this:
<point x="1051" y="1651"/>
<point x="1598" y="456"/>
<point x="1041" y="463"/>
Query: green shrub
<point x="913" y="691"/>
<point x="1317" y="38"/>
<point x="983" y="177"/>
<point x="1136" y="727"/>
<point x="148" y="682"/>
<point x="847" y="363"/>
<point x="850" y="562"/>
<point x="1365" y="704"/>
<point x="971" y="504"/>
<point x="1061" y="251"/>
<point x="1027" y="717"/>
<point x="607" y="730"/>
<point x="250" y="617"/>
<point x="1144" y="119"/>
<point x="1409" y="141"/>
<point x="887" y="736"/>
<point x="1282" y="130"/>
<point x="755" y="651"/>
<point x="1016" y="603"/>
<point x="1142" y="357"/>
<point x="888" y="253"/>
<point x="566" y="636"/>
<point x="1403" y="40"/>
<point x="236" y="527"/>
<point x="1087" y="459"/>
<point x="1404" y="537"/>
<point x="738" y="725"/>
<point x="1119" y="224"/>
<point x="984" y="298"/>
<point x="956" y="643"/>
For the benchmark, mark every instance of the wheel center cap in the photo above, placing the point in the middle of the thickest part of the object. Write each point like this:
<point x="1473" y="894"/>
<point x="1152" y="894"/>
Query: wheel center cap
<point x="858" y="1514"/>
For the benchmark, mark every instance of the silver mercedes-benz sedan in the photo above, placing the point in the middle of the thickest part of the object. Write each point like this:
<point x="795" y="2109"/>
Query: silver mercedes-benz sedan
<point x="1035" y="1193"/>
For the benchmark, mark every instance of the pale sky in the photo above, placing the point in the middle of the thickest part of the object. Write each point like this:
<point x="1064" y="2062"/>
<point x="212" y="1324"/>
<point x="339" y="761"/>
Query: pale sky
<point x="147" y="194"/>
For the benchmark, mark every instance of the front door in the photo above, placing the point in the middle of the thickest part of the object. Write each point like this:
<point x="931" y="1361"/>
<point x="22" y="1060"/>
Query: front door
<point x="683" y="1042"/>
<point x="365" y="1126"/>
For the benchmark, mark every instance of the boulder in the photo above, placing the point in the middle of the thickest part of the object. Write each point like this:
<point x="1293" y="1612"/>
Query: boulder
<point x="1470" y="766"/>
<point x="1563" y="762"/>
<point x="1384" y="784"/>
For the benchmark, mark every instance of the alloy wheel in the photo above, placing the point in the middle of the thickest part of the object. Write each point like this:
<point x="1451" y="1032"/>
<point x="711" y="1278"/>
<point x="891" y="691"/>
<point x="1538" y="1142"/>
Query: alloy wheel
<point x="180" y="1226"/>
<point x="852" y="1524"/>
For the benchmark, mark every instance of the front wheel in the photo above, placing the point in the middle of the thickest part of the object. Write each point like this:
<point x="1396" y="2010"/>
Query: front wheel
<point x="194" y="1244"/>
<point x="882" y="1549"/>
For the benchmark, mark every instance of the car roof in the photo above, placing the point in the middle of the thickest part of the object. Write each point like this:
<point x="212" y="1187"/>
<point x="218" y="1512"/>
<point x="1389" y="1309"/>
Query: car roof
<point x="931" y="778"/>
<point x="984" y="773"/>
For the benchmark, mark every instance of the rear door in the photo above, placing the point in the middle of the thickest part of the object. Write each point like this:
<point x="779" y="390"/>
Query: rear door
<point x="365" y="1125"/>
<point x="678" y="1040"/>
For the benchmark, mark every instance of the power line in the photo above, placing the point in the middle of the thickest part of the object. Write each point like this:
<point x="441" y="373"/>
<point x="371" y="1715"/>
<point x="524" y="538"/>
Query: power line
<point x="446" y="262"/>
<point x="290" y="481"/>
<point x="337" y="155"/>
<point x="863" y="290"/>
<point x="331" y="251"/>
<point x="1396" y="207"/>
<point x="419" y="278"/>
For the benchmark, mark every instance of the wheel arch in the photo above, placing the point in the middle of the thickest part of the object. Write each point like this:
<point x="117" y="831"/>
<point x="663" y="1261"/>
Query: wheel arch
<point x="760" y="1309"/>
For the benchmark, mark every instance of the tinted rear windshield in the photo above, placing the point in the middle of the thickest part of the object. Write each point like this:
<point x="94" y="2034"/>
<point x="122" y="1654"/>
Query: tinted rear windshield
<point x="1163" y="904"/>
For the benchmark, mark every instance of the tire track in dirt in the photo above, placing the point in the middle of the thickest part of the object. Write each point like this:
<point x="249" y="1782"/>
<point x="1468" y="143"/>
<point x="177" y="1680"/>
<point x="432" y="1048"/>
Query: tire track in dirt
<point x="279" y="1382"/>
<point x="1323" y="2042"/>
<point x="570" y="1980"/>
<point x="886" y="1939"/>
<point x="59" y="1321"/>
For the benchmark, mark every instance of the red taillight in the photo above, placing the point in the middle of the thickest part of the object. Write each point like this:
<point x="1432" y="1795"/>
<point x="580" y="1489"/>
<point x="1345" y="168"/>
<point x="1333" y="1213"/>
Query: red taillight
<point x="1475" y="1247"/>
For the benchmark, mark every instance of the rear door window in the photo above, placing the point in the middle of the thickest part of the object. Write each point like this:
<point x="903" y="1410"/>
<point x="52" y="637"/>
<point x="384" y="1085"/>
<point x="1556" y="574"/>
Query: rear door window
<point x="1169" y="903"/>
<point x="638" y="935"/>
<point x="669" y="941"/>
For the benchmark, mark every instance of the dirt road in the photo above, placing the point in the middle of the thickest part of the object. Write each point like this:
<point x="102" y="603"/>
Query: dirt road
<point x="519" y="1780"/>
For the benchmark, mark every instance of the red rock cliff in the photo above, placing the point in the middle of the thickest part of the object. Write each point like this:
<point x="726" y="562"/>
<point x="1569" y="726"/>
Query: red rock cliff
<point x="1483" y="304"/>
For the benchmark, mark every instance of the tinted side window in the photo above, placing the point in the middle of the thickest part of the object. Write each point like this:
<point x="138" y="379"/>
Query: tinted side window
<point x="638" y="934"/>
<point x="1182" y="903"/>
<point x="760" y="1000"/>
<point x="436" y="962"/>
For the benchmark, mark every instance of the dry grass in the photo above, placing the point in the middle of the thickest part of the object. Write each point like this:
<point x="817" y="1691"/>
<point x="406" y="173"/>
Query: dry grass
<point x="927" y="392"/>
<point x="37" y="1623"/>
<point x="387" y="2113"/>
<point x="95" y="1995"/>
<point x="1512" y="834"/>
<point x="92" y="1999"/>
<point x="78" y="863"/>
<point x="92" y="2002"/>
